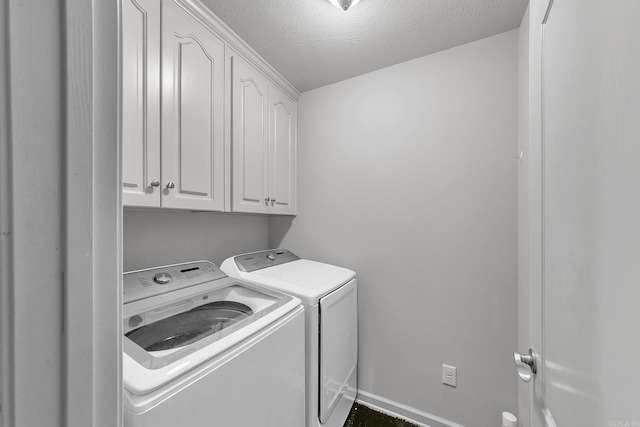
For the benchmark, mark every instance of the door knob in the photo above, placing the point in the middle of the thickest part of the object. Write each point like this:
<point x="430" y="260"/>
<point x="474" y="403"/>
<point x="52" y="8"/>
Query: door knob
<point x="155" y="183"/>
<point x="526" y="364"/>
<point x="170" y="185"/>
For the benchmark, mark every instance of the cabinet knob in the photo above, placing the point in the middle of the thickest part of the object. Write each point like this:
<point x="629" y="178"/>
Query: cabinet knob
<point x="273" y="201"/>
<point x="266" y="201"/>
<point x="155" y="183"/>
<point x="170" y="185"/>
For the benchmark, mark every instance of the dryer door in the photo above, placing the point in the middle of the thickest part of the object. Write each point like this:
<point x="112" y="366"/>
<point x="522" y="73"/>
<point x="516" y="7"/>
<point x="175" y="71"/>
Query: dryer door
<point x="338" y="347"/>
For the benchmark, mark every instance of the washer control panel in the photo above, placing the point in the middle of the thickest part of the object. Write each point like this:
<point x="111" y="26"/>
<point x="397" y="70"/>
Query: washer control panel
<point x="155" y="281"/>
<point x="259" y="260"/>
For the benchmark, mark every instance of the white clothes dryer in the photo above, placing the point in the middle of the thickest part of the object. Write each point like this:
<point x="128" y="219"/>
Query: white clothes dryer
<point x="329" y="297"/>
<point x="203" y="349"/>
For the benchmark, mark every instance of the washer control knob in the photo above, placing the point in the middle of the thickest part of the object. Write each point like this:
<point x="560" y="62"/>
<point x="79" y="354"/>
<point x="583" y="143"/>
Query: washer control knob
<point x="163" y="278"/>
<point x="271" y="257"/>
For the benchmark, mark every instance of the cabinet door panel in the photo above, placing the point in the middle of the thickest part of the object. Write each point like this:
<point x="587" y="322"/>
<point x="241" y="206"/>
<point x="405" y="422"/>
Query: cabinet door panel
<point x="250" y="138"/>
<point x="282" y="152"/>
<point x="193" y="114"/>
<point x="195" y="82"/>
<point x="140" y="102"/>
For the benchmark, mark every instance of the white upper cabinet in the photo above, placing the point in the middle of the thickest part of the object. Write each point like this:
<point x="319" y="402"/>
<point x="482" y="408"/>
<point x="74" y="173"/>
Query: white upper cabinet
<point x="176" y="160"/>
<point x="206" y="123"/>
<point x="250" y="138"/>
<point x="141" y="102"/>
<point x="192" y="113"/>
<point x="282" y="153"/>
<point x="264" y="143"/>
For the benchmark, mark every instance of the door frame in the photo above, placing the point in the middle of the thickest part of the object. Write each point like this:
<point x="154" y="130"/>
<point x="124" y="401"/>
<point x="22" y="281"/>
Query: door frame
<point x="531" y="194"/>
<point x="6" y="374"/>
<point x="85" y="246"/>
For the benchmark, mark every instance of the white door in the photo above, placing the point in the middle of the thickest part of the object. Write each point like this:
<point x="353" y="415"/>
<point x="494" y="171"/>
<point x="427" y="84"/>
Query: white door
<point x="141" y="102"/>
<point x="590" y="292"/>
<point x="193" y="113"/>
<point x="250" y="138"/>
<point x="282" y="153"/>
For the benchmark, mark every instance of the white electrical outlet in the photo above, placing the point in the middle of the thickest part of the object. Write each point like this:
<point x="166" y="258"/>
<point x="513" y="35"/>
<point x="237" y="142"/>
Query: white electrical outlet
<point x="449" y="375"/>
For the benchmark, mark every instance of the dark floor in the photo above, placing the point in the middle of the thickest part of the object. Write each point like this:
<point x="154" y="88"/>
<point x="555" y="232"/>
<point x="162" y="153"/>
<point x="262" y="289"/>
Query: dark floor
<point x="362" y="416"/>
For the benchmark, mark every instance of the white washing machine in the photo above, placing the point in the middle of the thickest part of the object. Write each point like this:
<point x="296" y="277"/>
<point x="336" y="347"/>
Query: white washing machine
<point x="329" y="297"/>
<point x="203" y="349"/>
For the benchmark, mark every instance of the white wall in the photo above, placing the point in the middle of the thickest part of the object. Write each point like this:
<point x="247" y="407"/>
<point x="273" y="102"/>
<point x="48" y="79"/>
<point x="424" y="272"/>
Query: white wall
<point x="408" y="176"/>
<point x="153" y="238"/>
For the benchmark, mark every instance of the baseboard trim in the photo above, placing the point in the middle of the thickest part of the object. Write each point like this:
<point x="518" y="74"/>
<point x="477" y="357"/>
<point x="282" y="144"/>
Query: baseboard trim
<point x="404" y="412"/>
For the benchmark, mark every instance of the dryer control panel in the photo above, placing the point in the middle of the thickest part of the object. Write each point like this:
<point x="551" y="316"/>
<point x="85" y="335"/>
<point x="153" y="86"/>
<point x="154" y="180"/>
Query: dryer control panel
<point x="259" y="260"/>
<point x="142" y="284"/>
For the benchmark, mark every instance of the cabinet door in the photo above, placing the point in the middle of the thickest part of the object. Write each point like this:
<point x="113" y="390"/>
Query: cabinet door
<point x="140" y="102"/>
<point x="250" y="138"/>
<point x="193" y="113"/>
<point x="282" y="153"/>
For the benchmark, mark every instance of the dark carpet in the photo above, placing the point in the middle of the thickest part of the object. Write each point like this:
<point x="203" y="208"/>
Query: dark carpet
<point x="362" y="416"/>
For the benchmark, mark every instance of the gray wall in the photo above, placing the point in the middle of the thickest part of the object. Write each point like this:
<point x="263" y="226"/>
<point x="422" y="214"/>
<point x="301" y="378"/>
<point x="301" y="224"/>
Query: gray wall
<point x="153" y="238"/>
<point x="408" y="175"/>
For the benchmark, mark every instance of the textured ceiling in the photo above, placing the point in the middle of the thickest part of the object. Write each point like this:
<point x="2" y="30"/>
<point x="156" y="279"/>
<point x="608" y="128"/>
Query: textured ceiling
<point x="312" y="43"/>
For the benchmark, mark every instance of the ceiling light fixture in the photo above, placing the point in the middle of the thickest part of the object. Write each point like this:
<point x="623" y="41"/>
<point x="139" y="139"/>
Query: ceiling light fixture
<point x="344" y="4"/>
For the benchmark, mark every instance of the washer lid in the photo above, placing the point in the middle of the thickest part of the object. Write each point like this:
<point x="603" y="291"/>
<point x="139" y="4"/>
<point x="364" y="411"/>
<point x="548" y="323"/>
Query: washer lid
<point x="307" y="280"/>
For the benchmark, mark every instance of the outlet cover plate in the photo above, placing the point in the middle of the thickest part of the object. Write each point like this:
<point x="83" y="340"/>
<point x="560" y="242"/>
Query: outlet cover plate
<point x="450" y="375"/>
